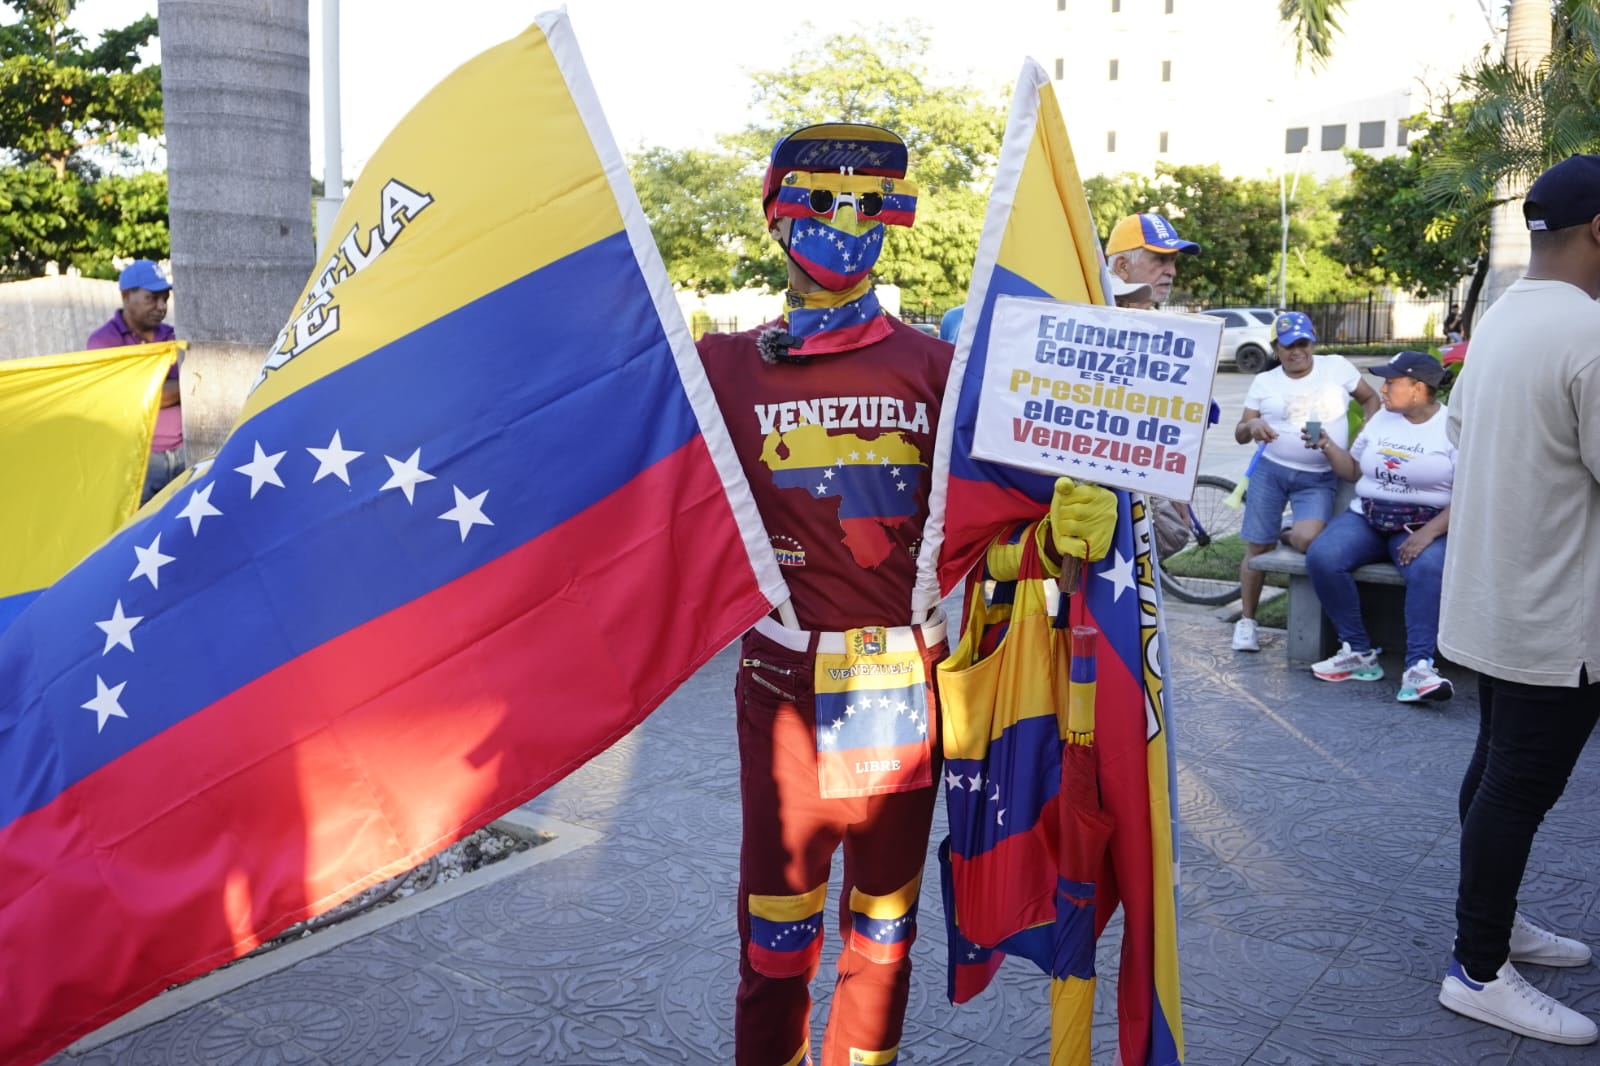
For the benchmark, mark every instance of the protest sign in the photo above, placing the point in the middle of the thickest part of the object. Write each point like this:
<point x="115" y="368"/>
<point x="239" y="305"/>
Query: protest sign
<point x="1114" y="396"/>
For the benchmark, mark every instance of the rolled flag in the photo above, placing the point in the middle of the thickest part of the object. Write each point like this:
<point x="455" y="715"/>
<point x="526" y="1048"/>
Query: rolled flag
<point x="1235" y="499"/>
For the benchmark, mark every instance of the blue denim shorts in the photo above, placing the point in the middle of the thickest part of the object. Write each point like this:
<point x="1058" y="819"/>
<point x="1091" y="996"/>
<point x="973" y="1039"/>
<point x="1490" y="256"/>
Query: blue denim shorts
<point x="1273" y="487"/>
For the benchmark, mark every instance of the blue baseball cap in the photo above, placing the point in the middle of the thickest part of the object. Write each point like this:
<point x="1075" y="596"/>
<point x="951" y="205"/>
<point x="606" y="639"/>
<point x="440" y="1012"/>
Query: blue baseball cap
<point x="1148" y="231"/>
<point x="143" y="274"/>
<point x="1420" y="365"/>
<point x="1292" y="326"/>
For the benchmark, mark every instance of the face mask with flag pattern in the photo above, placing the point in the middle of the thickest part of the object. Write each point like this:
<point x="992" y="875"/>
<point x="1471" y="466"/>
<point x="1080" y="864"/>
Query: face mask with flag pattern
<point x="837" y="232"/>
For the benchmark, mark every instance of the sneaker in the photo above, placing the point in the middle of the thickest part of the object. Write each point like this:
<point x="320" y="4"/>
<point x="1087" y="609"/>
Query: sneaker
<point x="1512" y="1003"/>
<point x="1350" y="665"/>
<point x="1422" y="682"/>
<point x="1529" y="943"/>
<point x="1244" y="635"/>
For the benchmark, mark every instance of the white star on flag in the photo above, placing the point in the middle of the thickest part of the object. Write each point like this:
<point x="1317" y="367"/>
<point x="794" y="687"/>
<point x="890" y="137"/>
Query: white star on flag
<point x="199" y="507"/>
<point x="952" y="780"/>
<point x="150" y="562"/>
<point x="200" y="468"/>
<point x="333" y="460"/>
<point x="406" y="475"/>
<point x="1120" y="574"/>
<point x="977" y="782"/>
<point x="467" y="512"/>
<point x="119" y="628"/>
<point x="105" y="702"/>
<point x="262" y="470"/>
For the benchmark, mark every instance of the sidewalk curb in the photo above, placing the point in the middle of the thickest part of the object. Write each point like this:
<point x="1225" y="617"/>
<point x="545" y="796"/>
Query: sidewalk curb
<point x="522" y="823"/>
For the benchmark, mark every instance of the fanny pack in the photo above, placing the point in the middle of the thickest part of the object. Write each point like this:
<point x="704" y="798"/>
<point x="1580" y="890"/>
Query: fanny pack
<point x="1386" y="516"/>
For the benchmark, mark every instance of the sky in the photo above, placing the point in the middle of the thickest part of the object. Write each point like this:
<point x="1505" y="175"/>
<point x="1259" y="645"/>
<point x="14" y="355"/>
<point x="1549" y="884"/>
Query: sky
<point x="672" y="74"/>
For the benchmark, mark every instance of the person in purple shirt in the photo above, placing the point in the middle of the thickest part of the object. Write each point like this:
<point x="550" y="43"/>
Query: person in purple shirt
<point x="145" y="291"/>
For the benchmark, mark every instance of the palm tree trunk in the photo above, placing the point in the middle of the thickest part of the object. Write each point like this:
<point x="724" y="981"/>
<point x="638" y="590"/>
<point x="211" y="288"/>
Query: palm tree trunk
<point x="236" y="79"/>
<point x="1527" y="45"/>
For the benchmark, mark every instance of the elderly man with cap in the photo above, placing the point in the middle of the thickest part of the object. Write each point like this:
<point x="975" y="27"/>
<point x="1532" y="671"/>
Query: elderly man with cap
<point x="1520" y="598"/>
<point x="1143" y="250"/>
<point x="141" y="320"/>
<point x="1286" y="411"/>
<point x="832" y="410"/>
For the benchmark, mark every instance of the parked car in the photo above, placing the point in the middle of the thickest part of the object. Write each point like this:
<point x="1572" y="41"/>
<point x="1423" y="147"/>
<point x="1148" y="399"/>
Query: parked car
<point x="1246" y="337"/>
<point x="1453" y="355"/>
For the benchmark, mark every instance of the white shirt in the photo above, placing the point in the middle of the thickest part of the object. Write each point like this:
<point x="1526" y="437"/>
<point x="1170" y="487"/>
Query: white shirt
<point x="1322" y="395"/>
<point x="1404" y="461"/>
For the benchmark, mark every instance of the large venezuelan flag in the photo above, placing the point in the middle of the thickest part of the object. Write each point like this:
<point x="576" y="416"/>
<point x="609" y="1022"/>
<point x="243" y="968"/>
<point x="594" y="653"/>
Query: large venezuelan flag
<point x="1039" y="240"/>
<point x="481" y="522"/>
<point x="75" y="436"/>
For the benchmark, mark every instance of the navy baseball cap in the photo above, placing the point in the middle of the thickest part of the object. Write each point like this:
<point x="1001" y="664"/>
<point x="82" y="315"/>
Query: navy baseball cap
<point x="143" y="274"/>
<point x="1420" y="365"/>
<point x="1147" y="231"/>
<point x="1292" y="326"/>
<point x="1568" y="194"/>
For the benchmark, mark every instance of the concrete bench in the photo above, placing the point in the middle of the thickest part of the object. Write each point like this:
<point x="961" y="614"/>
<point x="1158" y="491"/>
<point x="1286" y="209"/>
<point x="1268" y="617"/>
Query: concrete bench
<point x="1311" y="636"/>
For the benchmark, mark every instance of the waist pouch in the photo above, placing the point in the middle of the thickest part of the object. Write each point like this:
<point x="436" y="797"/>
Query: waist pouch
<point x="1386" y="516"/>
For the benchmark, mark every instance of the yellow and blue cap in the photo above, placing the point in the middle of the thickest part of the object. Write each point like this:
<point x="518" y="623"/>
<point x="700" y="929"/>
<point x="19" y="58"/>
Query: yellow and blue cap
<point x="832" y="148"/>
<point x="1148" y="231"/>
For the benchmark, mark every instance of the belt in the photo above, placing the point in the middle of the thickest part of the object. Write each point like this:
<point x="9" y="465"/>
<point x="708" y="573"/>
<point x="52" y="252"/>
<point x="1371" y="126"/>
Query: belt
<point x="900" y="638"/>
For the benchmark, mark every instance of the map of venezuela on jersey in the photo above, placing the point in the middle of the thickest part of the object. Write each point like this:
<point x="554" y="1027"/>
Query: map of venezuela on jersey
<point x="877" y="481"/>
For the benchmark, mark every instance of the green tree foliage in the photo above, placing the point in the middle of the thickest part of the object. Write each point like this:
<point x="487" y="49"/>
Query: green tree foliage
<point x="1516" y="122"/>
<point x="1393" y="230"/>
<point x="1234" y="220"/>
<point x="704" y="207"/>
<point x="71" y="118"/>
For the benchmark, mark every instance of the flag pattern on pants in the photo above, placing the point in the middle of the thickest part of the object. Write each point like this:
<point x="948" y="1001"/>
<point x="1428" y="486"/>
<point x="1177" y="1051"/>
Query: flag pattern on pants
<point x="1039" y="240"/>
<point x="358" y="632"/>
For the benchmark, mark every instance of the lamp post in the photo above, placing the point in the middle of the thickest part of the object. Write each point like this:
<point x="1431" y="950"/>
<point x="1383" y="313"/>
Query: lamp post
<point x="1283" y="218"/>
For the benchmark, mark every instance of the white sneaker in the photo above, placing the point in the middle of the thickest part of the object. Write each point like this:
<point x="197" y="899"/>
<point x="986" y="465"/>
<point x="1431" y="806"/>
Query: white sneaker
<point x="1530" y="943"/>
<point x="1244" y="635"/>
<point x="1347" y="665"/>
<point x="1512" y="1003"/>
<point x="1422" y="682"/>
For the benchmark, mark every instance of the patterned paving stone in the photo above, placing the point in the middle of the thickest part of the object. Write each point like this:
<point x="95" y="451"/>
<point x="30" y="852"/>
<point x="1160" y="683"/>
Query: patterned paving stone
<point x="1316" y="892"/>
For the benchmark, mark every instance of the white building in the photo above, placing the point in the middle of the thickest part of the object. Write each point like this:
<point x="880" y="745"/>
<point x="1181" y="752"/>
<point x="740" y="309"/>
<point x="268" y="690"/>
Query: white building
<point x="1215" y="81"/>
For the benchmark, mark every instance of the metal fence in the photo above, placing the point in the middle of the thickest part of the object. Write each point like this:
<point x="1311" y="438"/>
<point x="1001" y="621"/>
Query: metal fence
<point x="1371" y="320"/>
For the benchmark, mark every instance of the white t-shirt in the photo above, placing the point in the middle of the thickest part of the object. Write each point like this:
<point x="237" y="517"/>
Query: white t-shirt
<point x="1289" y="403"/>
<point x="1405" y="461"/>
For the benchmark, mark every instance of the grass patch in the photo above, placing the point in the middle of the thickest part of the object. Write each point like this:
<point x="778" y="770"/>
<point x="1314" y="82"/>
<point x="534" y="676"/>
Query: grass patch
<point x="1275" y="613"/>
<point x="1218" y="560"/>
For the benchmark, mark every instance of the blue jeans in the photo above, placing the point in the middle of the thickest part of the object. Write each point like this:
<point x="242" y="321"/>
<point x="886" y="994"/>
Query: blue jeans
<point x="163" y="467"/>
<point x="1349" y="542"/>
<point x="1274" y="487"/>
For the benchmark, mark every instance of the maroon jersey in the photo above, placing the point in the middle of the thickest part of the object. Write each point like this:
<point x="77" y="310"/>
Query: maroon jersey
<point x="838" y="453"/>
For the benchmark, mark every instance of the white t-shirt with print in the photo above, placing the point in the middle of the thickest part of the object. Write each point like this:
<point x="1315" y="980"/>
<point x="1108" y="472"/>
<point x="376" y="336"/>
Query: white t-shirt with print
<point x="1405" y="461"/>
<point x="1289" y="403"/>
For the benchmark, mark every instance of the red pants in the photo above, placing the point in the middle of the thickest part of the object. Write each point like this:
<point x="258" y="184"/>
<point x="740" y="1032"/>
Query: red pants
<point x="790" y="835"/>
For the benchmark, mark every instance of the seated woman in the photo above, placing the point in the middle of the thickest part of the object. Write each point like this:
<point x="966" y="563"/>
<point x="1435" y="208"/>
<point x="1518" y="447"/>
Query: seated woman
<point x="1290" y="473"/>
<point x="1403" y="465"/>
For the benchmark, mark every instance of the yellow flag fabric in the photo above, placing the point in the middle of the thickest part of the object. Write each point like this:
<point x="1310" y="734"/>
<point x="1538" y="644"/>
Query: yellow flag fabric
<point x="75" y="435"/>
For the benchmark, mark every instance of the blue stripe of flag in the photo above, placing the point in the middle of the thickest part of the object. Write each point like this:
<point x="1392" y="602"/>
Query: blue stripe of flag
<point x="1024" y="765"/>
<point x="512" y="394"/>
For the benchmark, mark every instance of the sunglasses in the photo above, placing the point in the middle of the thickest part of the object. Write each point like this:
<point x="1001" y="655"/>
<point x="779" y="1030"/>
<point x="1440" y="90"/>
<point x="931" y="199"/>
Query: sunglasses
<point x="892" y="201"/>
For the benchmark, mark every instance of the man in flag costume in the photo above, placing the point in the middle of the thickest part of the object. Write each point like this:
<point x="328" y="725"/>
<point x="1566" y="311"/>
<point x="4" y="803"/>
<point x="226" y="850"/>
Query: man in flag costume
<point x="832" y="410"/>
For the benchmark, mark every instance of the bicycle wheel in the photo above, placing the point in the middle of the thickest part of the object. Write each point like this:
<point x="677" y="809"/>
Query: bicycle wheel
<point x="1207" y="569"/>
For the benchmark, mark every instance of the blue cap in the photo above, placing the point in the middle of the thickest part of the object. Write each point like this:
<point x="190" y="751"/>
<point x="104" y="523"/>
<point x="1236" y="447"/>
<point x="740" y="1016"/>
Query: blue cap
<point x="143" y="274"/>
<point x="1293" y="326"/>
<point x="1420" y="365"/>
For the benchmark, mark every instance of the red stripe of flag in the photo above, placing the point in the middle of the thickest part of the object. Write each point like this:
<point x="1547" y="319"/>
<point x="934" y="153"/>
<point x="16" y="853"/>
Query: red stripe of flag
<point x="278" y="809"/>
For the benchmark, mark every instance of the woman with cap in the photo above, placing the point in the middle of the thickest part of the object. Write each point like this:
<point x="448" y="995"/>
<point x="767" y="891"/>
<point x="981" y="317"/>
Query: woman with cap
<point x="1303" y="390"/>
<point x="1403" y="465"/>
